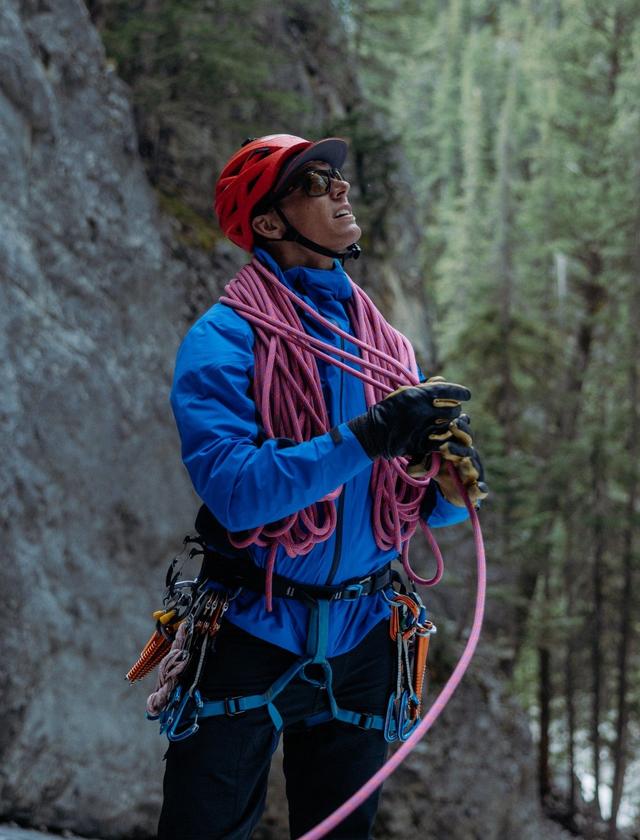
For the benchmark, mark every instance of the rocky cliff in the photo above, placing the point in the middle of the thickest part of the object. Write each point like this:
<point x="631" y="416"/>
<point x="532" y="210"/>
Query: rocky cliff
<point x="98" y="285"/>
<point x="93" y="305"/>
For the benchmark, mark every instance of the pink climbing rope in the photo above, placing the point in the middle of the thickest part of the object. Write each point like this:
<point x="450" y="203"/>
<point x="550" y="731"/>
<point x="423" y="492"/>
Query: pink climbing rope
<point x="288" y="395"/>
<point x="341" y="813"/>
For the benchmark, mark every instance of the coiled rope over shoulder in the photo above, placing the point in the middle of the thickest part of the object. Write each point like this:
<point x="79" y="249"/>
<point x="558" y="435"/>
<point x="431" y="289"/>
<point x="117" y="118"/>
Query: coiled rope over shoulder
<point x="289" y="399"/>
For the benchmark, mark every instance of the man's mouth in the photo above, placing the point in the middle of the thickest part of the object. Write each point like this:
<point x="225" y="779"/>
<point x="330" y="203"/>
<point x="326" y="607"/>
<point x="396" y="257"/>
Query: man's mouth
<point x="346" y="211"/>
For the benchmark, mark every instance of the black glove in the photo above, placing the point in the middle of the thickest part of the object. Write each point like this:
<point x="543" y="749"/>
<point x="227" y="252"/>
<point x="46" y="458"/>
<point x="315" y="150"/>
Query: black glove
<point x="413" y="419"/>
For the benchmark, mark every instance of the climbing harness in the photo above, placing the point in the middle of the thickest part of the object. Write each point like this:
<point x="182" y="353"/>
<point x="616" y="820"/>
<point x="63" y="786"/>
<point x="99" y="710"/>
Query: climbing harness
<point x="191" y="618"/>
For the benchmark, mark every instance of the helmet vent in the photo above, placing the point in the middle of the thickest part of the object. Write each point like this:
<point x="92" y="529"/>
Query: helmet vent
<point x="260" y="153"/>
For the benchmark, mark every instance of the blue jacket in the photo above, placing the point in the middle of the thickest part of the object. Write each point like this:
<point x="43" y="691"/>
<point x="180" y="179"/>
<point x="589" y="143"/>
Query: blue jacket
<point x="247" y="480"/>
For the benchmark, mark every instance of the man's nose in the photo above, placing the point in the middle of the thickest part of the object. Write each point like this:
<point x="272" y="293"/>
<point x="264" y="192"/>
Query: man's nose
<point x="339" y="187"/>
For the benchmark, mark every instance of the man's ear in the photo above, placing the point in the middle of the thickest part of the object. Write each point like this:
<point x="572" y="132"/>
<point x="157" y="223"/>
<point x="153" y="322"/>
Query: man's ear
<point x="268" y="225"/>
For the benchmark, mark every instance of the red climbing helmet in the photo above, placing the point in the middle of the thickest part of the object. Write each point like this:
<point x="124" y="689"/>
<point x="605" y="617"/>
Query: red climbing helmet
<point x="260" y="167"/>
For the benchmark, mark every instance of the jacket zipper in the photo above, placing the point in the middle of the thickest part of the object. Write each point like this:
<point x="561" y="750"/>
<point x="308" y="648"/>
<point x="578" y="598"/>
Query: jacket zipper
<point x="337" y="551"/>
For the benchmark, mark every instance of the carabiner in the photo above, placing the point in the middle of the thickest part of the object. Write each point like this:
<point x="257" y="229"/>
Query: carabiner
<point x="168" y="714"/>
<point x="406" y="724"/>
<point x="174" y="735"/>
<point x="390" y="722"/>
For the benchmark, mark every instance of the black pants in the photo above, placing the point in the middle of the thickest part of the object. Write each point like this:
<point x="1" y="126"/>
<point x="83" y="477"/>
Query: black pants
<point x="215" y="782"/>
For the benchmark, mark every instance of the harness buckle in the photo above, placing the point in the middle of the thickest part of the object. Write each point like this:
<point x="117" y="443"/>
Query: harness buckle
<point x="366" y="721"/>
<point x="232" y="706"/>
<point x="352" y="592"/>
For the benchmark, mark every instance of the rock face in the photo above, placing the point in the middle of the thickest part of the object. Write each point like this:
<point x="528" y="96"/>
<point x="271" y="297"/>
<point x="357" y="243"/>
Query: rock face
<point x="96" y="294"/>
<point x="93" y="495"/>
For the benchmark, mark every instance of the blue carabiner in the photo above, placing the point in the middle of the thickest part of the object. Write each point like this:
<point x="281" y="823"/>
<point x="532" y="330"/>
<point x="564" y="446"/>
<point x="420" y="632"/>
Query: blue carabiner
<point x="390" y="721"/>
<point x="168" y="714"/>
<point x="171" y="729"/>
<point x="405" y="724"/>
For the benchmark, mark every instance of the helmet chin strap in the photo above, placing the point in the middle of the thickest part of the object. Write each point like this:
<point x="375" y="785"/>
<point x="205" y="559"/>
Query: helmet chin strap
<point x="292" y="235"/>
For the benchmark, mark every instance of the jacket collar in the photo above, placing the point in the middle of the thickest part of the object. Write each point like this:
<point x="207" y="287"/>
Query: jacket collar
<point x="317" y="283"/>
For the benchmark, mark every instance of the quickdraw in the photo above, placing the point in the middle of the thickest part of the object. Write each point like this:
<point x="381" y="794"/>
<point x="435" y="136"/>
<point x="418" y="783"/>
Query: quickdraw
<point x="177" y="603"/>
<point x="410" y="629"/>
<point x="185" y="633"/>
<point x="203" y="623"/>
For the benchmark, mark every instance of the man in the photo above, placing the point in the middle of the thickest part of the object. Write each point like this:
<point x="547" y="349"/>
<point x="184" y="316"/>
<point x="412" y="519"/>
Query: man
<point x="312" y="659"/>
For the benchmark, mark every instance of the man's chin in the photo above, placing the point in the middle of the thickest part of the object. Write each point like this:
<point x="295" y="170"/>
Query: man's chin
<point x="339" y="246"/>
<point x="354" y="236"/>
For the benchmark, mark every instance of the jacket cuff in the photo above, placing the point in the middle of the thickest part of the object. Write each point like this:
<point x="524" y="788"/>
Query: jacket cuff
<point x="443" y="512"/>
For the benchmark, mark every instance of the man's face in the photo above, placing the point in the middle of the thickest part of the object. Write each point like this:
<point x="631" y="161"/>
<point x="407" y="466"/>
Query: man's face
<point x="322" y="218"/>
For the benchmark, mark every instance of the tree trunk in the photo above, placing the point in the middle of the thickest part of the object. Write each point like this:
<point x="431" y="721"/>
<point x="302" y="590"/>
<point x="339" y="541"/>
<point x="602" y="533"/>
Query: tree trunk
<point x="596" y="625"/>
<point x="624" y="645"/>
<point x="545" y="694"/>
<point x="569" y="674"/>
<point x="632" y="455"/>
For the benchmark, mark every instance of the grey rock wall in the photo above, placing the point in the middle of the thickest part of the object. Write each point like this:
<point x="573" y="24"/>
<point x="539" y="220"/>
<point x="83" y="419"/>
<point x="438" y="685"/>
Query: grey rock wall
<point x="92" y="491"/>
<point x="96" y="291"/>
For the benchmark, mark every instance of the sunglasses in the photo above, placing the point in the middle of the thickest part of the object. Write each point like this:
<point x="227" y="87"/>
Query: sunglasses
<point x="315" y="182"/>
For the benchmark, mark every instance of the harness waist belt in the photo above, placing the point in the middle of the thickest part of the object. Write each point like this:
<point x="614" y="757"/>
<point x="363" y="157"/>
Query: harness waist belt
<point x="242" y="572"/>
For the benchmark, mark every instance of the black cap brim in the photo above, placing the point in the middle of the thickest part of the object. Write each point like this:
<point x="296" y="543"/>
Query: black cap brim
<point x="332" y="150"/>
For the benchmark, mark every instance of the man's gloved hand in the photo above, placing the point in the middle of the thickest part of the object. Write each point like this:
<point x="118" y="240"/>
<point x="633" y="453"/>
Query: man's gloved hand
<point x="414" y="419"/>
<point x="471" y="473"/>
<point x="458" y="449"/>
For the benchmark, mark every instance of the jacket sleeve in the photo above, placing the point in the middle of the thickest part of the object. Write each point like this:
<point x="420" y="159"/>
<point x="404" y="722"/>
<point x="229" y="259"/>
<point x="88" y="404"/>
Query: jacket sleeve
<point x="436" y="510"/>
<point x="442" y="512"/>
<point x="245" y="480"/>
